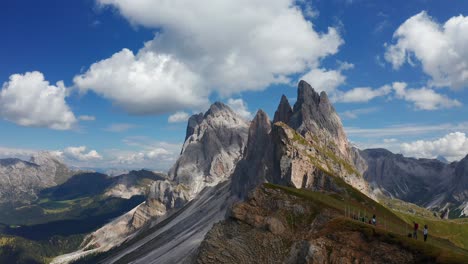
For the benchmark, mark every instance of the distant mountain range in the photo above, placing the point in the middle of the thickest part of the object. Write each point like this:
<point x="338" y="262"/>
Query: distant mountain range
<point x="20" y="181"/>
<point x="430" y="183"/>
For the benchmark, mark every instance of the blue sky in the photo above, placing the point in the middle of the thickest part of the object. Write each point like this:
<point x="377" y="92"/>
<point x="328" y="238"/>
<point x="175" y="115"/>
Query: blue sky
<point x="397" y="71"/>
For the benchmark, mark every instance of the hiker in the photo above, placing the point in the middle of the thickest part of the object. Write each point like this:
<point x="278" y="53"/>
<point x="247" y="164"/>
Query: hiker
<point x="425" y="232"/>
<point x="415" y="231"/>
<point x="374" y="220"/>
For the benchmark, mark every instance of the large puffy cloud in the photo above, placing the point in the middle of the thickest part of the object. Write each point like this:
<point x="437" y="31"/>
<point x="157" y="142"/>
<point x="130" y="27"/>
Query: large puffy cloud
<point x="145" y="83"/>
<point x="224" y="46"/>
<point x="29" y="100"/>
<point x="441" y="49"/>
<point x="424" y="98"/>
<point x="453" y="146"/>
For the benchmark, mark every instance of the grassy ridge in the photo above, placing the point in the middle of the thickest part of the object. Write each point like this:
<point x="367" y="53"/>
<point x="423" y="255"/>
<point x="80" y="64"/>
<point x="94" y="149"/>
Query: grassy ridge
<point x="445" y="244"/>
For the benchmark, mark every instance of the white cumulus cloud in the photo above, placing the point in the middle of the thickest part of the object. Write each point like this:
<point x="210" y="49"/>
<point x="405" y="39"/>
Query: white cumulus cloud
<point x="239" y="106"/>
<point x="178" y="117"/>
<point x="145" y="83"/>
<point x="441" y="48"/>
<point x="424" y="98"/>
<point x="30" y="100"/>
<point x="324" y="80"/>
<point x="80" y="154"/>
<point x="362" y="94"/>
<point x="205" y="47"/>
<point x="453" y="146"/>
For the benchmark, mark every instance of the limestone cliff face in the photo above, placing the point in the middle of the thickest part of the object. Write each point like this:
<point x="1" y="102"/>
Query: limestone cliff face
<point x="213" y="146"/>
<point x="301" y="149"/>
<point x="273" y="226"/>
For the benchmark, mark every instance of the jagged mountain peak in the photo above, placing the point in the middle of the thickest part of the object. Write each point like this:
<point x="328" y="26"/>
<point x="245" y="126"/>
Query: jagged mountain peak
<point x="261" y="119"/>
<point x="314" y="114"/>
<point x="306" y="95"/>
<point x="259" y="131"/>
<point x="217" y="108"/>
<point x="284" y="111"/>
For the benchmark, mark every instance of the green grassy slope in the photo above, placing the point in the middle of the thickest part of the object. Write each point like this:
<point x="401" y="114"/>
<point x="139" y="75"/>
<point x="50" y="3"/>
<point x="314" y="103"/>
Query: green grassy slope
<point x="447" y="242"/>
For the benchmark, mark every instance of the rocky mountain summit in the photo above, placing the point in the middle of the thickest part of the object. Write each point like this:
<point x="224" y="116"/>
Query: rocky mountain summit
<point x="20" y="181"/>
<point x="301" y="148"/>
<point x="211" y="150"/>
<point x="426" y="182"/>
<point x="213" y="146"/>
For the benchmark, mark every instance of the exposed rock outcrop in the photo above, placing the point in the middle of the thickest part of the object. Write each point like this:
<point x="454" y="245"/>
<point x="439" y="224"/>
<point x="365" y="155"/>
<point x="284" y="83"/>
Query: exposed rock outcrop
<point x="20" y="181"/>
<point x="275" y="227"/>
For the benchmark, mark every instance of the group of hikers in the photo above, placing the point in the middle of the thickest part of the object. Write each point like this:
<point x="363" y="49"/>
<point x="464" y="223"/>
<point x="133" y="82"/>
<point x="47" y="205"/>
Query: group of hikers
<point x="373" y="221"/>
<point x="415" y="231"/>
<point x="364" y="219"/>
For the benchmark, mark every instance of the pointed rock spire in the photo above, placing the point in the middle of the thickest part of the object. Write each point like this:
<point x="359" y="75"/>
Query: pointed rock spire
<point x="284" y="111"/>
<point x="256" y="165"/>
<point x="258" y="133"/>
<point x="315" y="114"/>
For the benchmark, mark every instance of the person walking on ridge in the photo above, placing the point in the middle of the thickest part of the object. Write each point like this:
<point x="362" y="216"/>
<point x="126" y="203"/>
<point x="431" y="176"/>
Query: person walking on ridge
<point x="415" y="231"/>
<point x="425" y="232"/>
